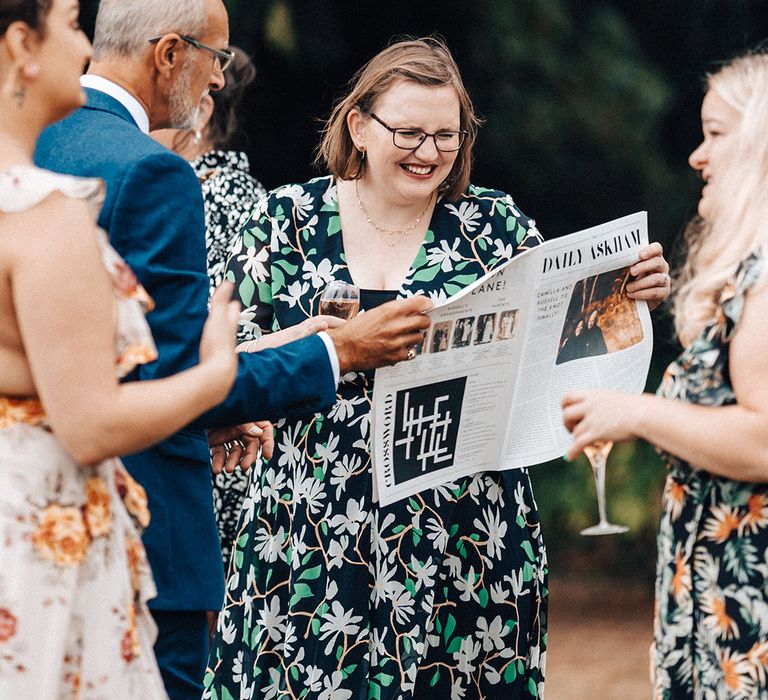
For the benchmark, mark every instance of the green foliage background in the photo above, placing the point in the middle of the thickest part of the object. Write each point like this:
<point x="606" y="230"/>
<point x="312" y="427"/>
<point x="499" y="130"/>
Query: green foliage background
<point x="591" y="109"/>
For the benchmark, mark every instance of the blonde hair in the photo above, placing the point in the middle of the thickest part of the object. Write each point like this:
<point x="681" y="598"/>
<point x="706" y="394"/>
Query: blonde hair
<point x="426" y="61"/>
<point x="738" y="223"/>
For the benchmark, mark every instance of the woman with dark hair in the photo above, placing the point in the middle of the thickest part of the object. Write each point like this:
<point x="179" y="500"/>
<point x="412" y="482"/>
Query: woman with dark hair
<point x="331" y="594"/>
<point x="74" y="578"/>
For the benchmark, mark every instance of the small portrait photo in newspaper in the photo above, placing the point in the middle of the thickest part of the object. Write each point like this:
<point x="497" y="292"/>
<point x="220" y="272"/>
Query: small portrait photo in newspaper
<point x="507" y="324"/>
<point x="486" y="324"/>
<point x="601" y="318"/>
<point x="462" y="332"/>
<point x="441" y="334"/>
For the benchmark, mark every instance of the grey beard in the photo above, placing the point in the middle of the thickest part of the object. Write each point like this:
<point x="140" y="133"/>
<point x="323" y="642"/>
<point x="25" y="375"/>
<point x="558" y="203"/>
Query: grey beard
<point x="181" y="114"/>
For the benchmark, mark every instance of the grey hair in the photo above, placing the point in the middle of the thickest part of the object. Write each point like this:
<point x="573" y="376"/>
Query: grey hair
<point x="123" y="27"/>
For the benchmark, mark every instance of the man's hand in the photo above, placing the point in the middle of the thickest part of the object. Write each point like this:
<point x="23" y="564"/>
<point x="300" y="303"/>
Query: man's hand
<point x="382" y="336"/>
<point x="239" y="445"/>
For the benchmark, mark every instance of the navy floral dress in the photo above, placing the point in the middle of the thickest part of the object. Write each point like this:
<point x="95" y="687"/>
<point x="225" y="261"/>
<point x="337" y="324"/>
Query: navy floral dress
<point x="711" y="635"/>
<point x="331" y="595"/>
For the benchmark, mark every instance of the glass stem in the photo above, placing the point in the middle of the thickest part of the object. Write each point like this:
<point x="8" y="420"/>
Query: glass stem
<point x="598" y="469"/>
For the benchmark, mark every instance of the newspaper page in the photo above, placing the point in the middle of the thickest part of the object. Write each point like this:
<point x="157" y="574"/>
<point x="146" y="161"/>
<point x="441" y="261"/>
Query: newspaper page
<point x="484" y="391"/>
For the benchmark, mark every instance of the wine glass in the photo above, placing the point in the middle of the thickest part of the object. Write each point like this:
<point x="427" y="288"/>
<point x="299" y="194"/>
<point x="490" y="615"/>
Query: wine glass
<point x="340" y="299"/>
<point x="597" y="454"/>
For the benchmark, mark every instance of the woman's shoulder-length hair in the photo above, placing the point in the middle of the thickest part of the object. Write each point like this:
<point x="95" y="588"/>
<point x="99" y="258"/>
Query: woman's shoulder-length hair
<point x="426" y="61"/>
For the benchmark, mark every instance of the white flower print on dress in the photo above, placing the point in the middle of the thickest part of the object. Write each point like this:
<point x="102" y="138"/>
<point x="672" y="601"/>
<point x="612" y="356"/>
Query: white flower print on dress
<point x="271" y="618"/>
<point x="495" y="529"/>
<point x="468" y="213"/>
<point x="296" y="290"/>
<point x="332" y="690"/>
<point x="302" y="201"/>
<point x="343" y="470"/>
<point x="388" y="573"/>
<point x="319" y="275"/>
<point x="270" y="547"/>
<point x="338" y="621"/>
<point x="502" y="250"/>
<point x="444" y="255"/>
<point x="253" y="261"/>
<point x="492" y="635"/>
<point x="290" y="454"/>
<point x="278" y="232"/>
<point x="351" y="520"/>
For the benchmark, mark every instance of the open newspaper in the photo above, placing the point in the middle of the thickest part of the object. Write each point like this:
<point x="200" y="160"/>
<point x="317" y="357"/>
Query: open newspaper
<point x="484" y="391"/>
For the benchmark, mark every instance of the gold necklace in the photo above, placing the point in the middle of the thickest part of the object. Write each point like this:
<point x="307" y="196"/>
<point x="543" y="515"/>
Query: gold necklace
<point x="395" y="234"/>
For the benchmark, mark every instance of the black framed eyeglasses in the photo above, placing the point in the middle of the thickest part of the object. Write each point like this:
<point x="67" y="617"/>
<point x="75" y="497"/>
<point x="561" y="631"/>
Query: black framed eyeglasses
<point x="411" y="139"/>
<point x="222" y="58"/>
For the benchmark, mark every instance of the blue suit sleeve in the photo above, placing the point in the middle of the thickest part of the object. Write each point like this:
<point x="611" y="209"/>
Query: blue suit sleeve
<point x="157" y="225"/>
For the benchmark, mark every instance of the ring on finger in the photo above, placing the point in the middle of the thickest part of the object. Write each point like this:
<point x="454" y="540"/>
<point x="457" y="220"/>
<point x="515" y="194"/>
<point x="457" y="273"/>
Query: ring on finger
<point x="411" y="353"/>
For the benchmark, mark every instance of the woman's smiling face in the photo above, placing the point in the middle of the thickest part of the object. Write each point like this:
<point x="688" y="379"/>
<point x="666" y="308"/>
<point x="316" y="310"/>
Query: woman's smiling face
<point x="719" y="124"/>
<point x="415" y="175"/>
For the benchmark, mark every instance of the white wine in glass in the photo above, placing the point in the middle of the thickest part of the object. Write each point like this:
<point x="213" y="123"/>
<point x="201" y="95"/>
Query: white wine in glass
<point x="597" y="454"/>
<point x="340" y="299"/>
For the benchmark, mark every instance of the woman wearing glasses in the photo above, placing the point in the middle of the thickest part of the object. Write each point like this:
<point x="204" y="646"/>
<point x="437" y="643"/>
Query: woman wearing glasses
<point x="440" y="595"/>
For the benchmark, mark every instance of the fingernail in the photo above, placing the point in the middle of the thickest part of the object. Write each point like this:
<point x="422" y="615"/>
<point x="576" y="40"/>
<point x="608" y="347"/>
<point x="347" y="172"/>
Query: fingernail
<point x="566" y="458"/>
<point x="254" y="430"/>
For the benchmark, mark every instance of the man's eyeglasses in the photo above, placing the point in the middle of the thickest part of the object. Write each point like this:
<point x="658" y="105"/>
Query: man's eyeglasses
<point x="411" y="139"/>
<point x="222" y="58"/>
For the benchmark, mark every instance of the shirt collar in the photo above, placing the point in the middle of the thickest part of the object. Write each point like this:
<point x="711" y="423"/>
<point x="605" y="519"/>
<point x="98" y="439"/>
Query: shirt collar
<point x="96" y="82"/>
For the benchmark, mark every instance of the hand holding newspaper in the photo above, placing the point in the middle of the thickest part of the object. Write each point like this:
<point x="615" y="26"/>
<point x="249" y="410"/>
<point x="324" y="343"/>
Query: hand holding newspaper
<point x="483" y="393"/>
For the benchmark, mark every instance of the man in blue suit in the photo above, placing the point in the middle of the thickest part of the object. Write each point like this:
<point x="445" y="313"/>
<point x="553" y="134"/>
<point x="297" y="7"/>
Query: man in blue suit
<point x="153" y="62"/>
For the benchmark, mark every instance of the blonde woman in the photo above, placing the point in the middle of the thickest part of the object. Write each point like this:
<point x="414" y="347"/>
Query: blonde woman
<point x="710" y="416"/>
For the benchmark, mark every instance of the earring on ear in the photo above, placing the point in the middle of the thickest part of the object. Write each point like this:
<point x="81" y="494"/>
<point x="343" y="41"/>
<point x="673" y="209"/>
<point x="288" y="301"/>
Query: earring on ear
<point x="197" y="138"/>
<point x="19" y="94"/>
<point x="362" y="153"/>
<point x="29" y="71"/>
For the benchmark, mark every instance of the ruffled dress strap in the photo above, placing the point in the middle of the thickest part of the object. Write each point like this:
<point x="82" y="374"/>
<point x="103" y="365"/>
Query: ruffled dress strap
<point x="733" y="295"/>
<point x="24" y="187"/>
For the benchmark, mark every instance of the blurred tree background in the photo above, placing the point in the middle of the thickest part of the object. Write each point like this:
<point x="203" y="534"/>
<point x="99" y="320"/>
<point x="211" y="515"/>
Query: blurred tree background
<point x="591" y="110"/>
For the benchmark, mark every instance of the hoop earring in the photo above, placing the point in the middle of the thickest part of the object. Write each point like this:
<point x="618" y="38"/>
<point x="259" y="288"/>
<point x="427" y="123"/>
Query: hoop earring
<point x="362" y="154"/>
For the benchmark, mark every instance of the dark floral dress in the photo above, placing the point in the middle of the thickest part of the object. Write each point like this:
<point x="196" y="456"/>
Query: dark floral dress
<point x="331" y="595"/>
<point x="711" y="634"/>
<point x="230" y="193"/>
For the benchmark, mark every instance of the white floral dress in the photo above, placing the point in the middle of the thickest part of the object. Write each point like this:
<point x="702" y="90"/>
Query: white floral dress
<point x="74" y="578"/>
<point x="329" y="595"/>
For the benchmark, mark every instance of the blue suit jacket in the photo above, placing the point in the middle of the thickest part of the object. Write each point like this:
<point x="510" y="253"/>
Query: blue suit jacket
<point x="153" y="214"/>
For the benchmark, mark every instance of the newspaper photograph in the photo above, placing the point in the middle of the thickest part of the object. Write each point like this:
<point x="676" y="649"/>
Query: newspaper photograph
<point x="484" y="391"/>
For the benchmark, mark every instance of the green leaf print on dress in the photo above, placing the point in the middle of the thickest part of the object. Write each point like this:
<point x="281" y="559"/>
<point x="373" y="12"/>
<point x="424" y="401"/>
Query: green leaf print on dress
<point x="442" y="595"/>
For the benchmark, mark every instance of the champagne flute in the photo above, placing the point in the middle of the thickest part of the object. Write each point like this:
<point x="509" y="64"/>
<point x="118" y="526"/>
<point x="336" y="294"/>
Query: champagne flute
<point x="340" y="299"/>
<point x="597" y="454"/>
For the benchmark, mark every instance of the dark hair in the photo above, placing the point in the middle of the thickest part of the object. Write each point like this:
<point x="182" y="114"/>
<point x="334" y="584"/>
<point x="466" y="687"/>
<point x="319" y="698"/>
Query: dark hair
<point x="425" y="61"/>
<point x="224" y="124"/>
<point x="32" y="12"/>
